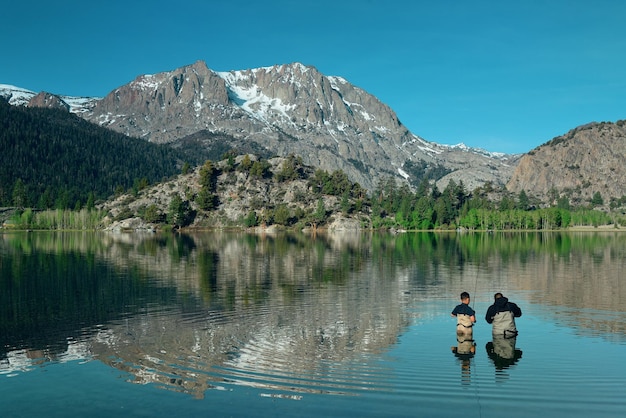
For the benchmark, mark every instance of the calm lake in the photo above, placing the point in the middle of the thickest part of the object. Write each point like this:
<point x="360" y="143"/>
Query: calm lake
<point x="229" y="324"/>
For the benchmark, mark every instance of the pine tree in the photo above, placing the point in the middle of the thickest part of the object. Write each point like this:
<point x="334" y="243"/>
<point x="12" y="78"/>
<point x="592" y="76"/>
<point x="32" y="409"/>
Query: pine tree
<point x="320" y="213"/>
<point x="522" y="201"/>
<point x="177" y="214"/>
<point x="19" y="195"/>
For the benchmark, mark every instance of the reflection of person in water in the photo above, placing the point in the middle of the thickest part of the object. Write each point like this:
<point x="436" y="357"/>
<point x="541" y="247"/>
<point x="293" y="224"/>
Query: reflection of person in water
<point x="501" y="315"/>
<point x="465" y="315"/>
<point x="465" y="351"/>
<point x="502" y="351"/>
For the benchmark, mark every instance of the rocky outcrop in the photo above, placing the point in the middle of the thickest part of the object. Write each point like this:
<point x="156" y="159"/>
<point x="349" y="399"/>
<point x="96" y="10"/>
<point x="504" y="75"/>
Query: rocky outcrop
<point x="341" y="224"/>
<point x="586" y="160"/>
<point x="48" y="100"/>
<point x="239" y="193"/>
<point x="133" y="224"/>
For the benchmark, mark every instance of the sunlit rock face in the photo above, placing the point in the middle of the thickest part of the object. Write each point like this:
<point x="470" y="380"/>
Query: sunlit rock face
<point x="587" y="160"/>
<point x="48" y="100"/>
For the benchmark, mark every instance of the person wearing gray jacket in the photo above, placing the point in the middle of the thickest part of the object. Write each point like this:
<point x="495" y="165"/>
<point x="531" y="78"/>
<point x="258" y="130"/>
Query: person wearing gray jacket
<point x="501" y="315"/>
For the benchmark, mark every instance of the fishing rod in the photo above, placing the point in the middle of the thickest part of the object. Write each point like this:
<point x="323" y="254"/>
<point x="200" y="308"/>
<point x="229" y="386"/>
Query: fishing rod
<point x="480" y="413"/>
<point x="473" y="298"/>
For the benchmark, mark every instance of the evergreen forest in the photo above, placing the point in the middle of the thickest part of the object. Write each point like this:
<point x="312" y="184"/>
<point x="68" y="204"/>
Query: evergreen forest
<point x="52" y="159"/>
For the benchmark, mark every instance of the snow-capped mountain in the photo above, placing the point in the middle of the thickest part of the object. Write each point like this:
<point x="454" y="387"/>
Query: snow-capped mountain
<point x="15" y="95"/>
<point x="22" y="97"/>
<point x="284" y="109"/>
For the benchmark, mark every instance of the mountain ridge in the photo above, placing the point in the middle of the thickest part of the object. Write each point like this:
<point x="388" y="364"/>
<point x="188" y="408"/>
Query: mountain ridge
<point x="289" y="109"/>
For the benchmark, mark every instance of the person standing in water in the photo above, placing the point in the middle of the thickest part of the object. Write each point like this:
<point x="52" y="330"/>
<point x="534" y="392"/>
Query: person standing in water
<point x="501" y="315"/>
<point x="465" y="315"/>
<point x="466" y="346"/>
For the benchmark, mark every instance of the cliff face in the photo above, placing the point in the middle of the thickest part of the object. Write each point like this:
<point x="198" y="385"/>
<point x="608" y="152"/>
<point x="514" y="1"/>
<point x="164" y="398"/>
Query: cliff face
<point x="586" y="160"/>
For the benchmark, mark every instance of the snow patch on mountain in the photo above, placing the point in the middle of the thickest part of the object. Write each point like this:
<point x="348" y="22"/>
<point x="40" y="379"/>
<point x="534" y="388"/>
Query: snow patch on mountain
<point x="335" y="81"/>
<point x="15" y="95"/>
<point x="147" y="81"/>
<point x="462" y="147"/>
<point x="403" y="173"/>
<point x="249" y="97"/>
<point x="429" y="148"/>
<point x="80" y="104"/>
<point x="18" y="96"/>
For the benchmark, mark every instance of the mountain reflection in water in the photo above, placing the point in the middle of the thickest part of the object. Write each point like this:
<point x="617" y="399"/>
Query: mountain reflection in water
<point x="293" y="313"/>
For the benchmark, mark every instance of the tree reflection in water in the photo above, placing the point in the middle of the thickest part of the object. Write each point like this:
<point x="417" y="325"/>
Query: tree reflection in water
<point x="288" y="312"/>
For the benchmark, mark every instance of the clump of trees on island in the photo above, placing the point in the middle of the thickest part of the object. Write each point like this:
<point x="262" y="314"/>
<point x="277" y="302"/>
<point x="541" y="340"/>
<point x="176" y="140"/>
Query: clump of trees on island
<point x="388" y="206"/>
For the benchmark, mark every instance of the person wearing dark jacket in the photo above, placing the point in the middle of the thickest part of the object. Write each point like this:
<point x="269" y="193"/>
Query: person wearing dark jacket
<point x="501" y="315"/>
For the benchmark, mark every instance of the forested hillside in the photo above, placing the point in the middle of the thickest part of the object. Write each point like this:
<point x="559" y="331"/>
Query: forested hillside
<point x="53" y="159"/>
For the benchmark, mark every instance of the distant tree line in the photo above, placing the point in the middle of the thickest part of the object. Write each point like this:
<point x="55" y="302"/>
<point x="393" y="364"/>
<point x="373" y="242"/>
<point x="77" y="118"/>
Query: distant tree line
<point x="454" y="207"/>
<point x="58" y="219"/>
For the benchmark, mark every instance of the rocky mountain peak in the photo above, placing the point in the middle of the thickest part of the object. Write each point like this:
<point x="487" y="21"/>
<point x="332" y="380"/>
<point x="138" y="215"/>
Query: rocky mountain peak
<point x="172" y="98"/>
<point x="302" y="98"/>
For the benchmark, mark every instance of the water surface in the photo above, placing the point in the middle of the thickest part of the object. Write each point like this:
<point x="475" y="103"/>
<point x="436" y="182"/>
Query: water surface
<point x="293" y="325"/>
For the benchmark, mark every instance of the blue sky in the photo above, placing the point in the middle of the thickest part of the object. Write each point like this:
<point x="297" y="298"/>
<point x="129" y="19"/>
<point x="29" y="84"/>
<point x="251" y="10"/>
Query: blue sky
<point x="500" y="75"/>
